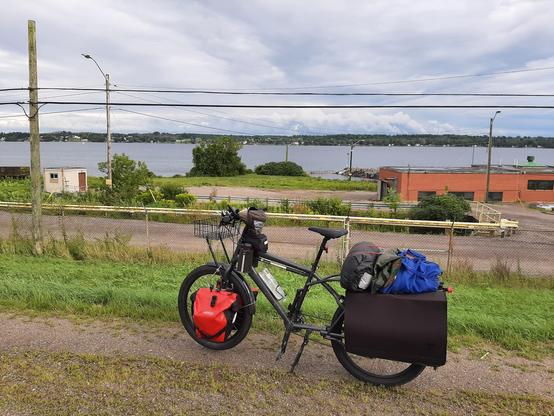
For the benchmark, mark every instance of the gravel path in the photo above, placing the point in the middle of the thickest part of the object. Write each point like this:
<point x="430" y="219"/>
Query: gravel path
<point x="485" y="371"/>
<point x="530" y="249"/>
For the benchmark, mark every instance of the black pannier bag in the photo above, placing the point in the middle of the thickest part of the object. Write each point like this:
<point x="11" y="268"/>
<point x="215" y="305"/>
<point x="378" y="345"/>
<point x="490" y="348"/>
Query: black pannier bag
<point x="359" y="264"/>
<point x="408" y="328"/>
<point x="255" y="219"/>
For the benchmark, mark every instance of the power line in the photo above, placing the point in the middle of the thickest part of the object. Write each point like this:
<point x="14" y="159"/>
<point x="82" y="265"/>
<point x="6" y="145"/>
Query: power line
<point x="283" y="106"/>
<point x="55" y="112"/>
<point x="277" y="93"/>
<point x="405" y="81"/>
<point x="216" y="116"/>
<point x="183" y="122"/>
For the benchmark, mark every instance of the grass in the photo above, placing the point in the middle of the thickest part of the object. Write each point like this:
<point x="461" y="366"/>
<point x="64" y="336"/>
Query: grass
<point x="67" y="384"/>
<point x="517" y="316"/>
<point x="272" y="182"/>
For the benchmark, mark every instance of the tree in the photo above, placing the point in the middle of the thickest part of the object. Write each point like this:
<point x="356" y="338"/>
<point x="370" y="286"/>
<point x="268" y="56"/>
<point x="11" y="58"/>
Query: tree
<point x="445" y="207"/>
<point x="280" y="169"/>
<point x="219" y="158"/>
<point x="127" y="176"/>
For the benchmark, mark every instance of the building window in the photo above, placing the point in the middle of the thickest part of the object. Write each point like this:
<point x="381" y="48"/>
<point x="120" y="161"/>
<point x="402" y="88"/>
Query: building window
<point x="469" y="196"/>
<point x="540" y="185"/>
<point x="421" y="195"/>
<point x="53" y="177"/>
<point x="495" y="197"/>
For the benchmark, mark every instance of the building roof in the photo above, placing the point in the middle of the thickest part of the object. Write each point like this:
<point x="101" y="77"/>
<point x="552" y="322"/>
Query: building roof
<point x="64" y="167"/>
<point x="509" y="169"/>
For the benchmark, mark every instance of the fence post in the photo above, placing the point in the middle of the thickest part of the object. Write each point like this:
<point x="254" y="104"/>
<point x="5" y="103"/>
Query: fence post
<point x="62" y="224"/>
<point x="450" y="249"/>
<point x="147" y="230"/>
<point x="346" y="239"/>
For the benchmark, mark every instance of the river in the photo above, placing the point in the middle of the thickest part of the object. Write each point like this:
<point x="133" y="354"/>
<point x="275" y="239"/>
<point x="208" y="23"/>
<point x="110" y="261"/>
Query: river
<point x="171" y="159"/>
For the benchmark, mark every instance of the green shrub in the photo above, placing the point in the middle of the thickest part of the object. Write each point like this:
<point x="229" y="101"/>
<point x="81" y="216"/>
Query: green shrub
<point x="185" y="199"/>
<point x="328" y="206"/>
<point x="441" y="208"/>
<point x="170" y="190"/>
<point x="150" y="196"/>
<point x="280" y="169"/>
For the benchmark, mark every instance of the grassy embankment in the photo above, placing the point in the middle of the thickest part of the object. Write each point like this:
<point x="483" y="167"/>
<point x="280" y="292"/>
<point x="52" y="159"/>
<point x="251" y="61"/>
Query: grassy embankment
<point x="272" y="182"/>
<point x="113" y="280"/>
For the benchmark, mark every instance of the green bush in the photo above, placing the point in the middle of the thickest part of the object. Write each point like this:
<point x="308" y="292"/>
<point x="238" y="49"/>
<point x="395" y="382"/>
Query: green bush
<point x="280" y="169"/>
<point x="328" y="206"/>
<point x="170" y="190"/>
<point x="185" y="199"/>
<point x="445" y="207"/>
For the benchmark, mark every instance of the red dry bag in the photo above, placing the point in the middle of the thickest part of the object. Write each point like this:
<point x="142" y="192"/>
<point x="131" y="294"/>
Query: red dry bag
<point x="213" y="313"/>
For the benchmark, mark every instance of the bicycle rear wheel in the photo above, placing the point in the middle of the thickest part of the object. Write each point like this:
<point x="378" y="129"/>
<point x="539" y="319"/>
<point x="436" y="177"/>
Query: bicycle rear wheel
<point x="371" y="370"/>
<point x="210" y="275"/>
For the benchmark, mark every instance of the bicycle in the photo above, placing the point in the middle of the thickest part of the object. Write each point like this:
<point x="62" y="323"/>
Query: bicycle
<point x="228" y="276"/>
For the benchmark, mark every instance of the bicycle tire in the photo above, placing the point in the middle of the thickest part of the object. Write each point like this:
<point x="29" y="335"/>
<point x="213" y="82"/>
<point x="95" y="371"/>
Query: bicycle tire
<point x="389" y="380"/>
<point x="243" y="321"/>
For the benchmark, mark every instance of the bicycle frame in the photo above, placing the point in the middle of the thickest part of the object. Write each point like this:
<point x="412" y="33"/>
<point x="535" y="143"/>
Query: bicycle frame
<point x="292" y="318"/>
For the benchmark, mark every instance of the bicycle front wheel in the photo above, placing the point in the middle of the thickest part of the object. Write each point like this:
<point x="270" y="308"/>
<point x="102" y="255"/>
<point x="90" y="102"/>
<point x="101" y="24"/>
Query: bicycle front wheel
<point x="210" y="275"/>
<point x="371" y="370"/>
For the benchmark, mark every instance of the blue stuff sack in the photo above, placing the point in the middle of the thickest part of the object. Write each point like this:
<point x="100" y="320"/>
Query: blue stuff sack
<point x="416" y="275"/>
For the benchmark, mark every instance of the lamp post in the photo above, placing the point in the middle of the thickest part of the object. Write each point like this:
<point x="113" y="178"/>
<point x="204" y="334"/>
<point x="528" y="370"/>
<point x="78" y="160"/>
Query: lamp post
<point x="350" y="163"/>
<point x="489" y="156"/>
<point x="108" y="127"/>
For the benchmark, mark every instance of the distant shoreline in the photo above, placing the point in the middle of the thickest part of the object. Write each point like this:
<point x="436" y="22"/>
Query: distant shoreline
<point x="373" y="140"/>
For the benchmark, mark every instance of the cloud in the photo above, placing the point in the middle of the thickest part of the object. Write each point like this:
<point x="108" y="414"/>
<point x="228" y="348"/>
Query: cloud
<point x="284" y="44"/>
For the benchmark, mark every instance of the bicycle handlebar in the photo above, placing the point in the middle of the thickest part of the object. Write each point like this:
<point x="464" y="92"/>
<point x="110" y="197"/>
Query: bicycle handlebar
<point x="229" y="216"/>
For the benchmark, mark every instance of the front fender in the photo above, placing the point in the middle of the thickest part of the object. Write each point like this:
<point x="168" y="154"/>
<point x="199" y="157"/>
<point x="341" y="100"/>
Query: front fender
<point x="240" y="278"/>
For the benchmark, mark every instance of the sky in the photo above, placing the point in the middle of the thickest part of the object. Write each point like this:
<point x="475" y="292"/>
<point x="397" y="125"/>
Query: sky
<point x="283" y="45"/>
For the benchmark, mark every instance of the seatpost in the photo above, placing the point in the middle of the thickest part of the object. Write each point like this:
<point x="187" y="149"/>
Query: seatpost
<point x="319" y="254"/>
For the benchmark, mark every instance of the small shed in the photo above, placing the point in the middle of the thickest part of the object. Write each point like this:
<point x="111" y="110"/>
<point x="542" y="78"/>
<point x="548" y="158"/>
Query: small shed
<point x="67" y="179"/>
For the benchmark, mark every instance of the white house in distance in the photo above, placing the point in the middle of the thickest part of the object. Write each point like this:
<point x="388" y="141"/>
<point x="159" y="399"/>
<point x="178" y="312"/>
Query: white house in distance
<point x="68" y="179"/>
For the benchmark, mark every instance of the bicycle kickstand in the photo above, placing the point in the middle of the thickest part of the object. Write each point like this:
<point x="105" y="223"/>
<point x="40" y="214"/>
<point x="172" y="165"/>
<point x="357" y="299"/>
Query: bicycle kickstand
<point x="301" y="350"/>
<point x="284" y="343"/>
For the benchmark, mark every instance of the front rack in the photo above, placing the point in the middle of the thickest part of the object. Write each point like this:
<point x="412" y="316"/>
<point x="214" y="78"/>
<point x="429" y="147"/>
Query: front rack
<point x="210" y="229"/>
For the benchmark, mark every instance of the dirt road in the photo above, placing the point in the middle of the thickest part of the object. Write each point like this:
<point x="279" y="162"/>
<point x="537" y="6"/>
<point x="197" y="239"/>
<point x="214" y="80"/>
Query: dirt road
<point x="530" y="249"/>
<point x="470" y="382"/>
<point x="236" y="191"/>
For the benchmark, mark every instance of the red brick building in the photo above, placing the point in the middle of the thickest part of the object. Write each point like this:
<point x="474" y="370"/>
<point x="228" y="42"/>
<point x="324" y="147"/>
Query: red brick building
<point x="530" y="183"/>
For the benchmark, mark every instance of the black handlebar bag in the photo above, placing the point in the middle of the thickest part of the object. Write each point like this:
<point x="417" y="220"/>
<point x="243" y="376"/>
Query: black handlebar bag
<point x="408" y="328"/>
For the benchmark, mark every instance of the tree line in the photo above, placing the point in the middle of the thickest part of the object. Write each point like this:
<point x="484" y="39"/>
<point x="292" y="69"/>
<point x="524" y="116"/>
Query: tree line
<point x="455" y="140"/>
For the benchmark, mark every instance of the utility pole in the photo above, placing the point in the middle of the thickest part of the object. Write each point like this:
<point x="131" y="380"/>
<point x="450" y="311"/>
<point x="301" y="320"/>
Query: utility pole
<point x="108" y="126"/>
<point x="489" y="157"/>
<point x="287" y="152"/>
<point x="350" y="165"/>
<point x="36" y="177"/>
<point x="108" y="132"/>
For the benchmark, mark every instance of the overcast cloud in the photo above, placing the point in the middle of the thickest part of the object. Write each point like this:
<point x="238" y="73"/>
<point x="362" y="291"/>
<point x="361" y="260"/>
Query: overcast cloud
<point x="283" y="44"/>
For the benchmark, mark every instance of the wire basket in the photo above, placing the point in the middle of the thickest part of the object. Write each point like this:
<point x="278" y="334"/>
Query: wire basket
<point x="212" y="230"/>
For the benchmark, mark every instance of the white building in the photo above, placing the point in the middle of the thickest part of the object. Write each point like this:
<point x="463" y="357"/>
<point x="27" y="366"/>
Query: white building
<point x="58" y="180"/>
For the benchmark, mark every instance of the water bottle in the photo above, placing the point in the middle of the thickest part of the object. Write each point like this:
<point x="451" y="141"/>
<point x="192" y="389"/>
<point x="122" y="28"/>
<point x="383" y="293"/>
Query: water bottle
<point x="272" y="284"/>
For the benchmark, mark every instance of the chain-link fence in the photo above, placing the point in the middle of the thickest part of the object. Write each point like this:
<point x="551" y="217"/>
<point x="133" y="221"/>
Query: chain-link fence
<point x="459" y="246"/>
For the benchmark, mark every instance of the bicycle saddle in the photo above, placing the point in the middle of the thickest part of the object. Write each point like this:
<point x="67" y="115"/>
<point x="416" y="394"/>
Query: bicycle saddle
<point x="329" y="233"/>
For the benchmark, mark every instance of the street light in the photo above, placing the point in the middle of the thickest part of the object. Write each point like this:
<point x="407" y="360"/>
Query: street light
<point x="489" y="157"/>
<point x="108" y="127"/>
<point x="350" y="164"/>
